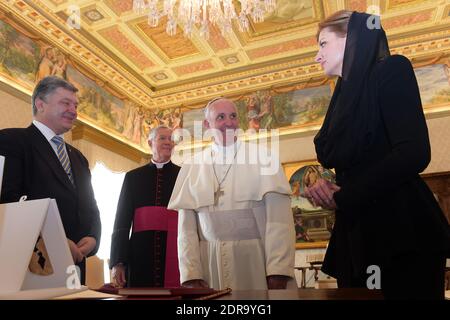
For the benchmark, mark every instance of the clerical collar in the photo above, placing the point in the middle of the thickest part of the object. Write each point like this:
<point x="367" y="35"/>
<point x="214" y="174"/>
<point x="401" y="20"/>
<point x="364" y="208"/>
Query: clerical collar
<point x="159" y="165"/>
<point x="231" y="148"/>
<point x="221" y="154"/>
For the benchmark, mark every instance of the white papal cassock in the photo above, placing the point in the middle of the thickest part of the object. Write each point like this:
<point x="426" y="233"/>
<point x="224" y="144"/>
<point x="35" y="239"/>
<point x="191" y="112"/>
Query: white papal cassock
<point x="248" y="234"/>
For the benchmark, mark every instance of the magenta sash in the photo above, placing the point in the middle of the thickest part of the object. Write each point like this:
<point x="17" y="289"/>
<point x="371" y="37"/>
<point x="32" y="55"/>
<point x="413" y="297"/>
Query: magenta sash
<point x="161" y="219"/>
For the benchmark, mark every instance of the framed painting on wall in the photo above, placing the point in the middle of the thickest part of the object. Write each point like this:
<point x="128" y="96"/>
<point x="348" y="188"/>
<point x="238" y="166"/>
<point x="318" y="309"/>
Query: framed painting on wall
<point x="313" y="225"/>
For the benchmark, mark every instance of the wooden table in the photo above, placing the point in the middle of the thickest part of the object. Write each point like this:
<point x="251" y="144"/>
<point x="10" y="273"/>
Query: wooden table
<point x="306" y="294"/>
<point x="290" y="294"/>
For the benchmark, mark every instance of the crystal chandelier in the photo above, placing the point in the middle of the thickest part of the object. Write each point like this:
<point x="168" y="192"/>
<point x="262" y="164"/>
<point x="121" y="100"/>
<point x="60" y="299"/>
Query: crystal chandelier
<point x="188" y="13"/>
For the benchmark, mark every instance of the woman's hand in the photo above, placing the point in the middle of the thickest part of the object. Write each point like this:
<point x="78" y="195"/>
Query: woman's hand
<point x="321" y="194"/>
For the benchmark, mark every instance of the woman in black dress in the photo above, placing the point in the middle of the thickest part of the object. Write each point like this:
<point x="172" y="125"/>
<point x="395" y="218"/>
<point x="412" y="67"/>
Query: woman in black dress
<point x="375" y="137"/>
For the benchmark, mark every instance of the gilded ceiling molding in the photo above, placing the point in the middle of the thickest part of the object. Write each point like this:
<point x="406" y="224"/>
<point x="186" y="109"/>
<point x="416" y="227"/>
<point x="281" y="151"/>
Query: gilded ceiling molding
<point x="418" y="63"/>
<point x="77" y="46"/>
<point x="425" y="48"/>
<point x="418" y="36"/>
<point x="304" y="85"/>
<point x="239" y="86"/>
<point x="86" y="72"/>
<point x="231" y="76"/>
<point x="6" y="16"/>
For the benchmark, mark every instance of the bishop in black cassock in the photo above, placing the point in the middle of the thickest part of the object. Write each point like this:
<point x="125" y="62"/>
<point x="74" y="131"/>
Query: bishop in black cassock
<point x="148" y="257"/>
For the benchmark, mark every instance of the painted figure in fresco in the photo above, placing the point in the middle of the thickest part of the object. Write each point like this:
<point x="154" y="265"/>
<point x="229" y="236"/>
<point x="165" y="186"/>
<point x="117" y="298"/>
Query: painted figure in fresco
<point x="46" y="64"/>
<point x="253" y="112"/>
<point x="300" y="231"/>
<point x="159" y="118"/>
<point x="296" y="189"/>
<point x="137" y="125"/>
<point x="266" y="115"/>
<point x="310" y="176"/>
<point x="59" y="67"/>
<point x="166" y="119"/>
<point x="128" y="127"/>
<point x="146" y="125"/>
<point x="154" y="121"/>
<point x="447" y="72"/>
<point x="176" y="120"/>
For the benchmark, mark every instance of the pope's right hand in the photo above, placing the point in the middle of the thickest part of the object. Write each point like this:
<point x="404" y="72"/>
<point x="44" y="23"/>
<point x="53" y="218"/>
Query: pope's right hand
<point x="118" y="275"/>
<point x="196" y="283"/>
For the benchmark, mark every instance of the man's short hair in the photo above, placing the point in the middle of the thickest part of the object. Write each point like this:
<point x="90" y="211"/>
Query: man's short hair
<point x="154" y="131"/>
<point x="47" y="86"/>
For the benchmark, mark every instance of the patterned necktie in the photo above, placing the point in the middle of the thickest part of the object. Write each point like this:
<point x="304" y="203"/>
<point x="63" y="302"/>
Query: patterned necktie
<point x="63" y="157"/>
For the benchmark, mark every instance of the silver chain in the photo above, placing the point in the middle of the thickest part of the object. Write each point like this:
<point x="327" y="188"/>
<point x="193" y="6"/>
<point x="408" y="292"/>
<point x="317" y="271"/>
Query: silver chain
<point x="228" y="170"/>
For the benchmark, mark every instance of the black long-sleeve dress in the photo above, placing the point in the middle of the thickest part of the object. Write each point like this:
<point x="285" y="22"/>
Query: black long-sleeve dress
<point x="376" y="138"/>
<point x="385" y="208"/>
<point x="150" y="253"/>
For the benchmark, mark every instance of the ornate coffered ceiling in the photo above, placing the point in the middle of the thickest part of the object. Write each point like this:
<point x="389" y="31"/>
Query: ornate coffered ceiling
<point x="154" y="70"/>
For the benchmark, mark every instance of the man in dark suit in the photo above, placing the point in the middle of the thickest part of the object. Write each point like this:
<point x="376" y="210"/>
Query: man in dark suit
<point x="40" y="165"/>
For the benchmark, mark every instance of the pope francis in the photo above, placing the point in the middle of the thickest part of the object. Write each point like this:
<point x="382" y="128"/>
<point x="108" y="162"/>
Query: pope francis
<point x="235" y="225"/>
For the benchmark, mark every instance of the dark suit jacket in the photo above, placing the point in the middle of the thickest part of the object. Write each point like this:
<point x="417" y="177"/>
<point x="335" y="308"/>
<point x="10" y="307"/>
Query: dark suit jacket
<point x="33" y="169"/>
<point x="384" y="208"/>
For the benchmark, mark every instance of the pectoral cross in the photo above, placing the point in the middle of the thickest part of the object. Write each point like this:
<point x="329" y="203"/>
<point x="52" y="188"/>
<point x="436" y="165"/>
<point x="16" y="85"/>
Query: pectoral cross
<point x="217" y="194"/>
